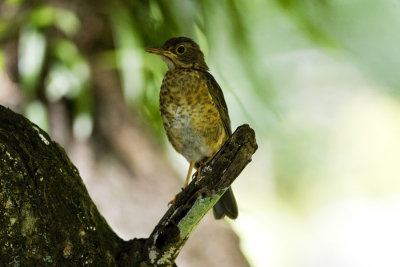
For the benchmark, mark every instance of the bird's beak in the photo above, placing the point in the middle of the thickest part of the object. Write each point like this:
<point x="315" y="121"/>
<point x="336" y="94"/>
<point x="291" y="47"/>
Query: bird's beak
<point x="160" y="51"/>
<point x="155" y="50"/>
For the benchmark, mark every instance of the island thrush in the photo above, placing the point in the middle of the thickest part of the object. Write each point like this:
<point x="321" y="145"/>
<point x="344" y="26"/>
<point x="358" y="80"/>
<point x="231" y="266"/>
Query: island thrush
<point x="193" y="110"/>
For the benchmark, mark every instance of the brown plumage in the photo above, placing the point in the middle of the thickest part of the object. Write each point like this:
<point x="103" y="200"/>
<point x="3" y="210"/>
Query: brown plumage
<point x="193" y="109"/>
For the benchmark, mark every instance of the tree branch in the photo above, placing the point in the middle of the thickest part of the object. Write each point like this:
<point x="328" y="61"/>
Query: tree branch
<point x="49" y="218"/>
<point x="171" y="233"/>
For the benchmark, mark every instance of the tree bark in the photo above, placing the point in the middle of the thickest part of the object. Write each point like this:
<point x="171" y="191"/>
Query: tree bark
<point x="48" y="217"/>
<point x="47" y="214"/>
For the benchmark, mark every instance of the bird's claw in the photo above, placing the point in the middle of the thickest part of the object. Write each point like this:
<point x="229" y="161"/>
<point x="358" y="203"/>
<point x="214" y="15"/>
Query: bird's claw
<point x="172" y="202"/>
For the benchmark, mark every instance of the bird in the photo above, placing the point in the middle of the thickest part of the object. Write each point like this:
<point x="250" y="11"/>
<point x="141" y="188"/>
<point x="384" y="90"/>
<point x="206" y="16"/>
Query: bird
<point x="193" y="110"/>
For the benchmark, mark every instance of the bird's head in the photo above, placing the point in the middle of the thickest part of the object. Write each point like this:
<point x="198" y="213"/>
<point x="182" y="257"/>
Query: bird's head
<point x="180" y="52"/>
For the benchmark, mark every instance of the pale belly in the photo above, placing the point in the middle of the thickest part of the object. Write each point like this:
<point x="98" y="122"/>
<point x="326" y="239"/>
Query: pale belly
<point x="196" y="136"/>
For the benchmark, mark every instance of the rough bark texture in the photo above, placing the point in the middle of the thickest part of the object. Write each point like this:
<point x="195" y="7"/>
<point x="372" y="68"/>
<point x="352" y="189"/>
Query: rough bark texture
<point x="49" y="219"/>
<point x="47" y="216"/>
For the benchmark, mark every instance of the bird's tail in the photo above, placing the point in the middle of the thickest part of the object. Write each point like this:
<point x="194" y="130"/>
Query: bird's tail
<point x="226" y="205"/>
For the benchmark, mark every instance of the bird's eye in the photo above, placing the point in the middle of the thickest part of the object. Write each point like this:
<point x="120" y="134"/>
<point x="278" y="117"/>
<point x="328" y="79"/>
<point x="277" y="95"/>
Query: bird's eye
<point x="180" y="50"/>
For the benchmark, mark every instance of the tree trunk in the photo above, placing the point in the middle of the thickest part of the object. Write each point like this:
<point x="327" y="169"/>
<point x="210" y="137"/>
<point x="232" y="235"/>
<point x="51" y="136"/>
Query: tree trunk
<point x="48" y="217"/>
<point x="47" y="214"/>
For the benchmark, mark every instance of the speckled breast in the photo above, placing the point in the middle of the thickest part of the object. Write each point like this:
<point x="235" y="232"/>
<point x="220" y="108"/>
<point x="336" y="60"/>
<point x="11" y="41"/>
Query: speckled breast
<point x="190" y="117"/>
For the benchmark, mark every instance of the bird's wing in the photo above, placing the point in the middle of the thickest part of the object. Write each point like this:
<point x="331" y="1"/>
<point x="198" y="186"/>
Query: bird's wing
<point x="218" y="98"/>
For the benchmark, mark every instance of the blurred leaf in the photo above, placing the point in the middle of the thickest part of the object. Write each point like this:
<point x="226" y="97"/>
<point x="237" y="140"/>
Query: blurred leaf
<point x="43" y="16"/>
<point x="69" y="74"/>
<point x="37" y="113"/>
<point x="58" y="82"/>
<point x="2" y="60"/>
<point x="202" y="39"/>
<point x="67" y="21"/>
<point x="63" y="81"/>
<point x="129" y="52"/>
<point x="32" y="47"/>
<point x="108" y="59"/>
<point x="66" y="51"/>
<point x="3" y="26"/>
<point x="83" y="126"/>
<point x="63" y="19"/>
<point x="14" y="2"/>
<point x="156" y="14"/>
<point x="367" y="30"/>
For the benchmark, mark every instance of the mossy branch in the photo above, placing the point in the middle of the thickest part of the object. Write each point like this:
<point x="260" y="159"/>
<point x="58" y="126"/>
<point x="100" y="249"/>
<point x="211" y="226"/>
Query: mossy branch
<point x="171" y="233"/>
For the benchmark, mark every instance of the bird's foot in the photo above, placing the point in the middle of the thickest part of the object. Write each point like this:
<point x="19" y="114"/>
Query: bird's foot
<point x="172" y="202"/>
<point x="197" y="174"/>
